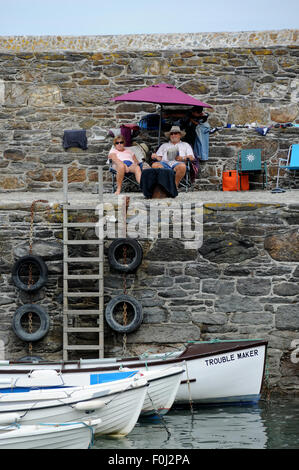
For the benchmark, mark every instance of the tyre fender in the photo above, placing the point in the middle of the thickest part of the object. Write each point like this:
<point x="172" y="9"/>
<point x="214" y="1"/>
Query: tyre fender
<point x="117" y="245"/>
<point x="137" y="309"/>
<point x="43" y="273"/>
<point x="44" y="322"/>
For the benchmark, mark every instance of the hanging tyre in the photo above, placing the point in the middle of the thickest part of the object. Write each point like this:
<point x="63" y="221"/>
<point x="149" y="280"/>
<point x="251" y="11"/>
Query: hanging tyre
<point x="114" y="314"/>
<point x="125" y="254"/>
<point x="21" y="332"/>
<point x="21" y="273"/>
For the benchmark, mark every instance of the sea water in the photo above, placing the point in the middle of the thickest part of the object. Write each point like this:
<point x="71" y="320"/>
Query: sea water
<point x="270" y="424"/>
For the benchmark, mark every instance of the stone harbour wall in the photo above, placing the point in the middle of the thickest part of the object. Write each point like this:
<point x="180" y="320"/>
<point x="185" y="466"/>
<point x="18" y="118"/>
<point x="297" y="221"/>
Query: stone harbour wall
<point x="243" y="282"/>
<point x="52" y="84"/>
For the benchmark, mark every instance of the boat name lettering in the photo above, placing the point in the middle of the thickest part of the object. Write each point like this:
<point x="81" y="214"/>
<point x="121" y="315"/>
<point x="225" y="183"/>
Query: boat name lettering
<point x="231" y="357"/>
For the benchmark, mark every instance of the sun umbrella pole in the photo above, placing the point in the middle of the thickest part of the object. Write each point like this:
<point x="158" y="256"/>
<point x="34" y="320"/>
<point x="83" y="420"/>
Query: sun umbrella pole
<point x="160" y="126"/>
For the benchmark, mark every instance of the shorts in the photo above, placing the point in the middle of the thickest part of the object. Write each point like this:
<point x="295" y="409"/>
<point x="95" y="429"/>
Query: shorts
<point x="168" y="167"/>
<point x="127" y="162"/>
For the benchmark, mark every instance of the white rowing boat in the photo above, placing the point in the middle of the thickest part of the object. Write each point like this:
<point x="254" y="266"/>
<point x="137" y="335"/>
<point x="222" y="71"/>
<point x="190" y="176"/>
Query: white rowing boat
<point x="77" y="435"/>
<point x="117" y="403"/>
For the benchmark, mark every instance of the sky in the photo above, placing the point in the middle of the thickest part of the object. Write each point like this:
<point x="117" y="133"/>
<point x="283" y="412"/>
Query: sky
<point x="114" y="17"/>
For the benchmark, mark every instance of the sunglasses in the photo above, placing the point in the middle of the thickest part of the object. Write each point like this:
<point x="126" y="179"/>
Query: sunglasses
<point x="120" y="142"/>
<point x="174" y="133"/>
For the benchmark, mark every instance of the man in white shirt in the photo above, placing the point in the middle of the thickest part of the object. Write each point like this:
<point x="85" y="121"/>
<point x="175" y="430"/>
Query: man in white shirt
<point x="173" y="154"/>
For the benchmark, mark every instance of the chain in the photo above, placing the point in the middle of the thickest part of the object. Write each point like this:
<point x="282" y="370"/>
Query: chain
<point x="125" y="306"/>
<point x="30" y="280"/>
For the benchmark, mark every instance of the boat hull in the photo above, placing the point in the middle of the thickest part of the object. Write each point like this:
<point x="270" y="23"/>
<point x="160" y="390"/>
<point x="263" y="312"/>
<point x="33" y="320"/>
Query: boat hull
<point x="119" y="410"/>
<point x="216" y="372"/>
<point x="47" y="436"/>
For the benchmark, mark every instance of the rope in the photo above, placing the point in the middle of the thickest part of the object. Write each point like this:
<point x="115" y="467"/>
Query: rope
<point x="90" y="427"/>
<point x="189" y="389"/>
<point x="160" y="416"/>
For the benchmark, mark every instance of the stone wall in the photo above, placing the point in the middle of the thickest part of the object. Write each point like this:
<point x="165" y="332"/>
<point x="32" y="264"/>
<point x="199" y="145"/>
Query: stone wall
<point x="241" y="283"/>
<point x="51" y="84"/>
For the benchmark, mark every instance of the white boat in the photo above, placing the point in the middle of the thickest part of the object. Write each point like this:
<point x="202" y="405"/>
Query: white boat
<point x="162" y="388"/>
<point x="117" y="403"/>
<point x="77" y="435"/>
<point x="229" y="371"/>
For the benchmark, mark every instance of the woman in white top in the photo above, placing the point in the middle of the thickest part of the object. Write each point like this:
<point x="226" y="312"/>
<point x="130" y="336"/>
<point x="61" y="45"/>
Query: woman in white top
<point x="123" y="161"/>
<point x="183" y="152"/>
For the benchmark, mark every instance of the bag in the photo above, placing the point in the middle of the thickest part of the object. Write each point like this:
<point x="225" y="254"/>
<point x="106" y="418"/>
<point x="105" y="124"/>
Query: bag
<point x="150" y="122"/>
<point x="229" y="181"/>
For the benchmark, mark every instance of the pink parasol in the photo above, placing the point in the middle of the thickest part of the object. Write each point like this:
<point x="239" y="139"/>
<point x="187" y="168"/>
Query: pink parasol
<point x="161" y="94"/>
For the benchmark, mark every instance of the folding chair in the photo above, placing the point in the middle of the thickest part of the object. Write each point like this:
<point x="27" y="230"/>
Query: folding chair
<point x="186" y="182"/>
<point x="251" y="160"/>
<point x="129" y="178"/>
<point x="292" y="164"/>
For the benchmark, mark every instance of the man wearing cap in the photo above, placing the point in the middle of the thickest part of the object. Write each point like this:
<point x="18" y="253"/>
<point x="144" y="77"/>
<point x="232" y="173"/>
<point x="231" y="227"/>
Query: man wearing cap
<point x="173" y="154"/>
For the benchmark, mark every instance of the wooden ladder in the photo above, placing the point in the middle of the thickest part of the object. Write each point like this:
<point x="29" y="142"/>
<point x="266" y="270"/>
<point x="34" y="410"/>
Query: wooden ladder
<point x="69" y="314"/>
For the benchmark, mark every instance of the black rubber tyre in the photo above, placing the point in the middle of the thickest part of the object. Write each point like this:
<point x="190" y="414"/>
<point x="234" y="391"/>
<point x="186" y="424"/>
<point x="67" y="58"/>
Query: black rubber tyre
<point x="110" y="312"/>
<point x="40" y="332"/>
<point x="116" y="249"/>
<point x="38" y="263"/>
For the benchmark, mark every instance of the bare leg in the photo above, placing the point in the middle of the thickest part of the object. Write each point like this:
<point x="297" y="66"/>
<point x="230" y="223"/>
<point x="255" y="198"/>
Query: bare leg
<point x="120" y="172"/>
<point x="157" y="165"/>
<point x="137" y="172"/>
<point x="180" y="171"/>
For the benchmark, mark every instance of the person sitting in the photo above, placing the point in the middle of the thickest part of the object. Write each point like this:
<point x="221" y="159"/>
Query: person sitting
<point x="123" y="161"/>
<point x="173" y="154"/>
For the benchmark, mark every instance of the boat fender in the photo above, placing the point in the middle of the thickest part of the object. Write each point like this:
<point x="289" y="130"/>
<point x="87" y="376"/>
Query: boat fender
<point x="27" y="260"/>
<point x="89" y="405"/>
<point x="111" y="309"/>
<point x="116" y="248"/>
<point x="9" y="418"/>
<point x="33" y="359"/>
<point x="44" y="322"/>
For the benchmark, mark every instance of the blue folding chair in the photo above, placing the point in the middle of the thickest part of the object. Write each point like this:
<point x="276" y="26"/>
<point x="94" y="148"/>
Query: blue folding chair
<point x="251" y="160"/>
<point x="292" y="164"/>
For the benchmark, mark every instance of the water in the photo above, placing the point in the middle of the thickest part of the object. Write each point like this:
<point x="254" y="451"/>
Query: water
<point x="270" y="424"/>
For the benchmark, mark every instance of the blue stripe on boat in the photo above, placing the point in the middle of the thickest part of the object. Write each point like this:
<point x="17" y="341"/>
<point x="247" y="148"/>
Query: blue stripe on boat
<point x="29" y="389"/>
<point x="110" y="377"/>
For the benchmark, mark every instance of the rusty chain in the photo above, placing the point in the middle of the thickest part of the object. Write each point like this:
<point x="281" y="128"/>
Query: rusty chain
<point x="30" y="280"/>
<point x="125" y="306"/>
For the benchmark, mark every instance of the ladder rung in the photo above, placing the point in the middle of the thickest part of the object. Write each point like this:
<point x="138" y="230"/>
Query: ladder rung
<point x="82" y="260"/>
<point x="83" y="242"/>
<point x="82" y="312"/>
<point x="83" y="276"/>
<point x="80" y="224"/>
<point x="74" y="207"/>
<point x="87" y="329"/>
<point x="83" y="294"/>
<point x="84" y="346"/>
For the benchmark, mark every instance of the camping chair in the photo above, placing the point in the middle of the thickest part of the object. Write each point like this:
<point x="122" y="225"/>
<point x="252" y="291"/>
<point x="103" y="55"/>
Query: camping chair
<point x="251" y="160"/>
<point x="186" y="182"/>
<point x="129" y="178"/>
<point x="292" y="164"/>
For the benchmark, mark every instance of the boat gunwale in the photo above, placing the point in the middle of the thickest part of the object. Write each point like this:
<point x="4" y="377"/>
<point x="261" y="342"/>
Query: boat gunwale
<point x="136" y="362"/>
<point x="59" y="403"/>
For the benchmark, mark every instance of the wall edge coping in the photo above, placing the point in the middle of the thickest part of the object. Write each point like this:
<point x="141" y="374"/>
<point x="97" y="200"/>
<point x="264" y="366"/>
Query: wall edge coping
<point x="151" y="42"/>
